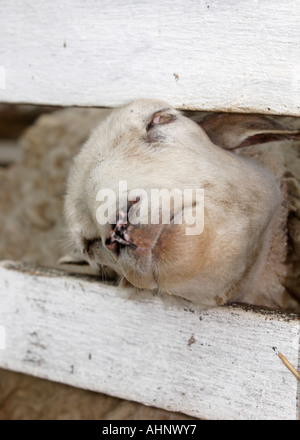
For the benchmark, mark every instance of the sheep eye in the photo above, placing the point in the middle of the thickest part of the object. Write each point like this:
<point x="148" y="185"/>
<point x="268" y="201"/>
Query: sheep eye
<point x="160" y="118"/>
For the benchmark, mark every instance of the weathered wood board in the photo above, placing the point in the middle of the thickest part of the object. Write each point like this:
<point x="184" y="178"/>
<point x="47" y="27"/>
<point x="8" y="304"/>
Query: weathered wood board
<point x="197" y="54"/>
<point x="216" y="364"/>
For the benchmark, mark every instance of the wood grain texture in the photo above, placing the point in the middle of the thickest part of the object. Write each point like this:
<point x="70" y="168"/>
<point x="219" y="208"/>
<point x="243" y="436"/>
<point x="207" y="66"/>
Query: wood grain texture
<point x="216" y="364"/>
<point x="196" y="54"/>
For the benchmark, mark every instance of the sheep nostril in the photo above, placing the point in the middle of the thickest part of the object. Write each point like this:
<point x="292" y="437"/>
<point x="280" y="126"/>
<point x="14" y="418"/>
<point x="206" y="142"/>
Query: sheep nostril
<point x="122" y="220"/>
<point x="112" y="245"/>
<point x="119" y="236"/>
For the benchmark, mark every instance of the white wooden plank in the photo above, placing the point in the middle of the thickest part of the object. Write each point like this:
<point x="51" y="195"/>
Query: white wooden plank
<point x="217" y="364"/>
<point x="196" y="54"/>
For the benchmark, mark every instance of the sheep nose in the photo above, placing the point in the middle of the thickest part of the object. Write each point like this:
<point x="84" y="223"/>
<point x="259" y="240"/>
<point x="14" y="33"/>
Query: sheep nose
<point x="118" y="234"/>
<point x="121" y="221"/>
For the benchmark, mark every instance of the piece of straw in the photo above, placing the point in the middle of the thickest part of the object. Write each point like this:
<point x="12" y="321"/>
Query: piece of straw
<point x="289" y="365"/>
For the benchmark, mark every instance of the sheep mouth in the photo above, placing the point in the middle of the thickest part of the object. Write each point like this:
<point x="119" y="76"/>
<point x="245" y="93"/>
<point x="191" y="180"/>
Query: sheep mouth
<point x="118" y="241"/>
<point x="139" y="237"/>
<point x="134" y="237"/>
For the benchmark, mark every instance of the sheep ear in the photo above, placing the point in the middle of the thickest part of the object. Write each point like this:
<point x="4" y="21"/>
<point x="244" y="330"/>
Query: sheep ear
<point x="231" y="131"/>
